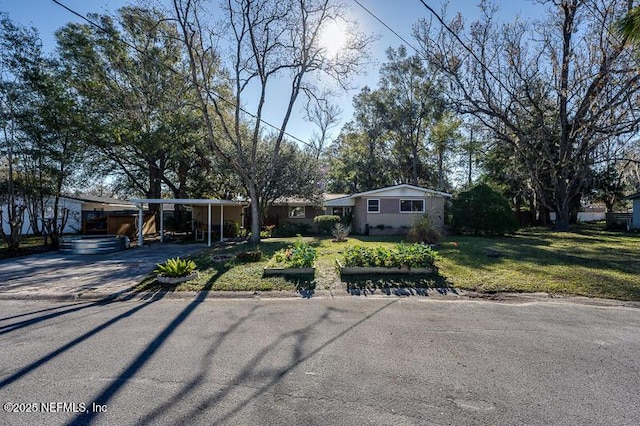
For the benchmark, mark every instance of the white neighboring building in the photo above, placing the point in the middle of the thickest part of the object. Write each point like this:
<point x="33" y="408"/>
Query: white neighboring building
<point x="74" y="221"/>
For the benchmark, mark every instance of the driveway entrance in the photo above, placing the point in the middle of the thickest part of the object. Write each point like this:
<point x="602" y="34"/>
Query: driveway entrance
<point x="58" y="275"/>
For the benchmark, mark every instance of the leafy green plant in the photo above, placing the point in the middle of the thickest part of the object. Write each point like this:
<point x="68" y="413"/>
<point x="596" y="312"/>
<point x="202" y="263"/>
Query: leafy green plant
<point x="267" y="231"/>
<point x="175" y="267"/>
<point x="249" y="256"/>
<point x="288" y="229"/>
<point x="482" y="210"/>
<point x="231" y="229"/>
<point x="412" y="256"/>
<point x="300" y="255"/>
<point x="326" y="222"/>
<point x="340" y="232"/>
<point x="424" y="231"/>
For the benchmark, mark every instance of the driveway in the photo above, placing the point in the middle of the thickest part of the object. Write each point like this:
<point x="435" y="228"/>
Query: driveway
<point x="58" y="275"/>
<point x="346" y="361"/>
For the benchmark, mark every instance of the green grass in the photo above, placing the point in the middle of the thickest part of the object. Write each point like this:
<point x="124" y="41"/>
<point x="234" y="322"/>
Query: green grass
<point x="28" y="245"/>
<point x="587" y="261"/>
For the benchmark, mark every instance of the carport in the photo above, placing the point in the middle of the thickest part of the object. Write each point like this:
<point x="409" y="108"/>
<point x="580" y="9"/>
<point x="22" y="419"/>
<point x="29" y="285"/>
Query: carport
<point x="140" y="202"/>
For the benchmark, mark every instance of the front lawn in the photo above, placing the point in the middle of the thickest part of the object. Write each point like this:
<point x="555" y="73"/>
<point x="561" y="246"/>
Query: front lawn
<point x="586" y="261"/>
<point x="28" y="245"/>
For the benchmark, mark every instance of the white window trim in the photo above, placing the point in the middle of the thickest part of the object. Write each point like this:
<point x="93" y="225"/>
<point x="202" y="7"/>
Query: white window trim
<point x="304" y="212"/>
<point x="373" y="199"/>
<point x="424" y="205"/>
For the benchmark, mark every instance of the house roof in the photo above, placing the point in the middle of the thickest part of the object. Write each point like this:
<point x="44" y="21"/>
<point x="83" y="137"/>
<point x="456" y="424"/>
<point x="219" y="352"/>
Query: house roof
<point x="292" y="201"/>
<point x="188" y="201"/>
<point x="349" y="200"/>
<point x="632" y="196"/>
<point x="97" y="199"/>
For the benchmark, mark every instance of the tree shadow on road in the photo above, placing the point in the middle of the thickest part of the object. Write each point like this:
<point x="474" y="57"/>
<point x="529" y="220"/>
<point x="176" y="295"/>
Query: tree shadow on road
<point x="398" y="285"/>
<point x="300" y="353"/>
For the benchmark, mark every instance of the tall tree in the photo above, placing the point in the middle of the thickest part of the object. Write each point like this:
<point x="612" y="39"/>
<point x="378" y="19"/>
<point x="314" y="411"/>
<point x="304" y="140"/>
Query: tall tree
<point x="411" y="103"/>
<point x="133" y="83"/>
<point x="360" y="157"/>
<point x="17" y="44"/>
<point x="568" y="74"/>
<point x="269" y="41"/>
<point x="51" y="123"/>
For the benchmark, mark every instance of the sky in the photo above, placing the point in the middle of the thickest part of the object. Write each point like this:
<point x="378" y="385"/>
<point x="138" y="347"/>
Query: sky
<point x="46" y="16"/>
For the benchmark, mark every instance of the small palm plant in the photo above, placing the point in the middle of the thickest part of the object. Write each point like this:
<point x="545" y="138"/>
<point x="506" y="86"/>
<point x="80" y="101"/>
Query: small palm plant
<point x="175" y="268"/>
<point x="340" y="232"/>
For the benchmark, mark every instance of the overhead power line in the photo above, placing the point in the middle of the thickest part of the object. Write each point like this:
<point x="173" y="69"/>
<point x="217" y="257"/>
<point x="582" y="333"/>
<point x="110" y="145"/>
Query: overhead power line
<point x="462" y="43"/>
<point x="448" y="29"/>
<point x="387" y="26"/>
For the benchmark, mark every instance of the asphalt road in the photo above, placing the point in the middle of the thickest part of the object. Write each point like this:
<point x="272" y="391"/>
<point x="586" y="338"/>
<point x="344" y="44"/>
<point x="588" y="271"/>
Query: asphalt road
<point x="319" y="361"/>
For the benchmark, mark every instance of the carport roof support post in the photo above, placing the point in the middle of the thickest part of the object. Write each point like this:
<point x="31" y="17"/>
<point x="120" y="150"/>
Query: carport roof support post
<point x="140" y="225"/>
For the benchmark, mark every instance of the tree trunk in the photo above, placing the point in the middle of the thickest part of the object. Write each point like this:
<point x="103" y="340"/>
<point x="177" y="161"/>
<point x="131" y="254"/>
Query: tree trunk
<point x="255" y="213"/>
<point x="440" y="171"/>
<point x="562" y="206"/>
<point x="155" y="186"/>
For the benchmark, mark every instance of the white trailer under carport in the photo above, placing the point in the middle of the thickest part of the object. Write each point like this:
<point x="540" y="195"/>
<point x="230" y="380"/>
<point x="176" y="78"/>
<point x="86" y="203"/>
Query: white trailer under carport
<point x="140" y="202"/>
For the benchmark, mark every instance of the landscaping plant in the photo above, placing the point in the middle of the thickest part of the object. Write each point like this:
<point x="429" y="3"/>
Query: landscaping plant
<point x="300" y="255"/>
<point x="175" y="268"/>
<point x="326" y="222"/>
<point x="424" y="231"/>
<point x="249" y="256"/>
<point x="411" y="256"/>
<point x="288" y="229"/>
<point x="482" y="210"/>
<point x="340" y="232"/>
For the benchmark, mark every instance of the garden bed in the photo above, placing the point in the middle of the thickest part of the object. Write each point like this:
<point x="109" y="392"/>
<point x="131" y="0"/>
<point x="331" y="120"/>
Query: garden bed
<point x="270" y="272"/>
<point x="176" y="280"/>
<point x="368" y="270"/>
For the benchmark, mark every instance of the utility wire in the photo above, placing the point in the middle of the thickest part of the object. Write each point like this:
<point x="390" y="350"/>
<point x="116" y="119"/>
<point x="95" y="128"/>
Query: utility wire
<point x="462" y="43"/>
<point x="446" y="27"/>
<point x="217" y="95"/>
<point x="387" y="26"/>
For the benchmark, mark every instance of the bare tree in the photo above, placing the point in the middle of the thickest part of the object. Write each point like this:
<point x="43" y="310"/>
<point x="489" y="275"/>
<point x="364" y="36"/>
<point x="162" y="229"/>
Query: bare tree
<point x="326" y="116"/>
<point x="555" y="90"/>
<point x="269" y="41"/>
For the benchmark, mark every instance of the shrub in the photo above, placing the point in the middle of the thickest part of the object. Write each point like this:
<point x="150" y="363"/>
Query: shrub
<point x="231" y="229"/>
<point x="175" y="267"/>
<point x="288" y="229"/>
<point x="249" y="256"/>
<point x="412" y="256"/>
<point x="340" y="232"/>
<point x="423" y="231"/>
<point x="267" y="231"/>
<point x="326" y="222"/>
<point x="483" y="210"/>
<point x="300" y="255"/>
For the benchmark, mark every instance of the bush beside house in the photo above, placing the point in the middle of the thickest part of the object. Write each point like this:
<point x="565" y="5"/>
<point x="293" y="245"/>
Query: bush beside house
<point x="481" y="210"/>
<point x="326" y="222"/>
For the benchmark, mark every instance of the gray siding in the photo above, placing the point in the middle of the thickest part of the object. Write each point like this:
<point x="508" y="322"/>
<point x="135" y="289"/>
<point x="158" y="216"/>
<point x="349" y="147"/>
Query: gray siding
<point x="390" y="215"/>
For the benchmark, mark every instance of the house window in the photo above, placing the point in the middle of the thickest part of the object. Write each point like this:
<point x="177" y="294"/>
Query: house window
<point x="411" y="206"/>
<point x="296" y="212"/>
<point x="373" y="205"/>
